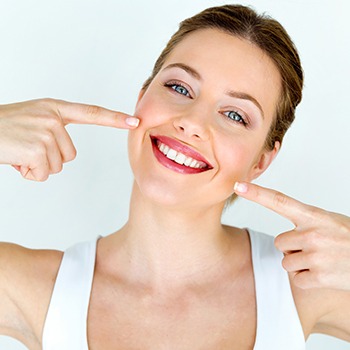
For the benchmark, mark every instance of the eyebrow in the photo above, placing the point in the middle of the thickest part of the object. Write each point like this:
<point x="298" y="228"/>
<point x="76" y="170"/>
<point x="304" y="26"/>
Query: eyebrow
<point x="245" y="96"/>
<point x="231" y="93"/>
<point x="186" y="68"/>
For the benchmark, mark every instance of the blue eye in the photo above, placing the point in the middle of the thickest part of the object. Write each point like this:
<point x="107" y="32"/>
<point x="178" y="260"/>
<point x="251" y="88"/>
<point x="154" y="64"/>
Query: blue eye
<point x="178" y="88"/>
<point x="236" y="117"/>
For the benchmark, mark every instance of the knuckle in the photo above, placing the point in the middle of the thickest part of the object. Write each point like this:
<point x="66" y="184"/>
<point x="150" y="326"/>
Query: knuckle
<point x="314" y="259"/>
<point x="41" y="150"/>
<point x="93" y="111"/>
<point x="53" y="122"/>
<point x="49" y="115"/>
<point x="57" y="168"/>
<point x="47" y="137"/>
<point x="313" y="238"/>
<point x="280" y="199"/>
<point x="45" y="102"/>
<point x="36" y="154"/>
<point x="277" y="242"/>
<point x="286" y="263"/>
<point x="74" y="153"/>
<point x="39" y="176"/>
<point x="313" y="214"/>
<point x="43" y="177"/>
<point x="71" y="155"/>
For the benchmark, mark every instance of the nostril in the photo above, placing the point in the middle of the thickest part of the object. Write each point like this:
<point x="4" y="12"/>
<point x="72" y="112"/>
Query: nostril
<point x="191" y="129"/>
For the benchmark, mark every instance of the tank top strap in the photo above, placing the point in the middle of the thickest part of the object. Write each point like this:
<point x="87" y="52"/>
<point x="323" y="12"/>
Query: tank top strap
<point x="278" y="324"/>
<point x="66" y="321"/>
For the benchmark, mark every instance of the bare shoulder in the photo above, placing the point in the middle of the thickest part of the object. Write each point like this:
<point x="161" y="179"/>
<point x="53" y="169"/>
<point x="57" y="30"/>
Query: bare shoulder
<point x="27" y="278"/>
<point x="323" y="311"/>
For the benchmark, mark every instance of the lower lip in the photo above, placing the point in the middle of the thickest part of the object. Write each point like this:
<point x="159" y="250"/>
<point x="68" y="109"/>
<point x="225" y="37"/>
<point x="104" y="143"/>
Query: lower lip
<point x="172" y="165"/>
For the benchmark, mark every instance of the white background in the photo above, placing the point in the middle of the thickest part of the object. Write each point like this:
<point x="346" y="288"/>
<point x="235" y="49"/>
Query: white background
<point x="100" y="52"/>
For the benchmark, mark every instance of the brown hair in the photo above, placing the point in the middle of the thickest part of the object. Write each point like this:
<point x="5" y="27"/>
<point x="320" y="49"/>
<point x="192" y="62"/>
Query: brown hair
<point x="267" y="34"/>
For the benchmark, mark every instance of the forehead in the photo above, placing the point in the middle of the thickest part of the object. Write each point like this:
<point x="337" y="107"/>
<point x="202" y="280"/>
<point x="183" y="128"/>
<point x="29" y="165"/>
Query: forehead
<point x="227" y="62"/>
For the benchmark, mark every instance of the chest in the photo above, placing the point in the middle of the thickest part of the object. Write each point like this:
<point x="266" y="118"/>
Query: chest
<point x="221" y="317"/>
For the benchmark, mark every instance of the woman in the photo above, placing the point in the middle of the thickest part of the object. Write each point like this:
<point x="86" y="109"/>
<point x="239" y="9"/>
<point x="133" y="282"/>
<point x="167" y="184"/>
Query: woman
<point x="211" y="118"/>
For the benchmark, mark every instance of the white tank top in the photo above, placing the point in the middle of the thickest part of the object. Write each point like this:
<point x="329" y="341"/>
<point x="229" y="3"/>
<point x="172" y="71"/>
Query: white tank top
<point x="278" y="324"/>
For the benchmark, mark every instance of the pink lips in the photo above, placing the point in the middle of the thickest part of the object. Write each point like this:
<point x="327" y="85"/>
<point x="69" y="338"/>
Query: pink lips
<point x="179" y="147"/>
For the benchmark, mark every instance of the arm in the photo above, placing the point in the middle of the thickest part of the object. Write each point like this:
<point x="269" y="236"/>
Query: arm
<point x="33" y="139"/>
<point x="26" y="282"/>
<point x="322" y="310"/>
<point x="336" y="319"/>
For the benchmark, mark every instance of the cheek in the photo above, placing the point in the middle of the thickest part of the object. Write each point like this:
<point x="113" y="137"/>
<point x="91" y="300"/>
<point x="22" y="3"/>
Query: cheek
<point x="152" y="113"/>
<point x="237" y="156"/>
<point x="151" y="109"/>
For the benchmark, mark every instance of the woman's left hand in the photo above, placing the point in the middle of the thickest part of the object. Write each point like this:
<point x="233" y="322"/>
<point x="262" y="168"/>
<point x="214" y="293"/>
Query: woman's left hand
<point x="317" y="250"/>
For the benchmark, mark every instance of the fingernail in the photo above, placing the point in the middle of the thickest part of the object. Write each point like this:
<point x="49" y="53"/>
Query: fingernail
<point x="132" y="121"/>
<point x="239" y="187"/>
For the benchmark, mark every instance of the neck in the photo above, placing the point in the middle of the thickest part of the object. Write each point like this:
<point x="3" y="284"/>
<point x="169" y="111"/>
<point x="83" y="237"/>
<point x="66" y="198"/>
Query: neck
<point x="165" y="246"/>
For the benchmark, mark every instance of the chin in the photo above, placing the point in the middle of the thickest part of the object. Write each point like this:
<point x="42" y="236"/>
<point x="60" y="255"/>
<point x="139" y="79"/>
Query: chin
<point x="162" y="193"/>
<point x="165" y="194"/>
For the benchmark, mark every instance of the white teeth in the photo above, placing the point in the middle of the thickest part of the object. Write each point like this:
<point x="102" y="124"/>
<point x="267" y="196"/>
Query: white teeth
<point x="171" y="154"/>
<point x="178" y="157"/>
<point x="166" y="149"/>
<point x="193" y="163"/>
<point x="188" y="161"/>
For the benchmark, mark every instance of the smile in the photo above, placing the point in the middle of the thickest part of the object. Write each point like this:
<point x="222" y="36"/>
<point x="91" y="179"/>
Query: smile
<point x="178" y="157"/>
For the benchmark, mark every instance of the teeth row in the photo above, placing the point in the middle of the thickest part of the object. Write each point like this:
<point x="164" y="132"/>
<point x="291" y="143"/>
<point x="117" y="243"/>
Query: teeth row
<point x="179" y="157"/>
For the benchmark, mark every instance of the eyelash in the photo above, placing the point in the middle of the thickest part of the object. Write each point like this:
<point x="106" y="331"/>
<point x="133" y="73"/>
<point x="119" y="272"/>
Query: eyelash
<point x="175" y="85"/>
<point x="235" y="115"/>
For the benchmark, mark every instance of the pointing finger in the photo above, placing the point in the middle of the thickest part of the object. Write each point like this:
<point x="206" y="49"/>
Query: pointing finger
<point x="78" y="113"/>
<point x="278" y="202"/>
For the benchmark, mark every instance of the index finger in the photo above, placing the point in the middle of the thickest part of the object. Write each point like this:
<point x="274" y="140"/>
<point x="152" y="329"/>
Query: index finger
<point x="280" y="203"/>
<point x="78" y="113"/>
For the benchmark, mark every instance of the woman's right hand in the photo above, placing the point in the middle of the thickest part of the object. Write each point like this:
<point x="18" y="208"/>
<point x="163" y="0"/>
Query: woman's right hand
<point x="33" y="138"/>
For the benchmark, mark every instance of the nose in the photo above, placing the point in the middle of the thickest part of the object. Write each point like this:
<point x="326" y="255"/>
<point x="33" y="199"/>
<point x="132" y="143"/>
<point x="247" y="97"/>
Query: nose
<point x="192" y="126"/>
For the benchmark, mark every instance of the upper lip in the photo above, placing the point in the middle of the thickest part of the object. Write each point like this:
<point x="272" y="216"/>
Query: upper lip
<point x="180" y="147"/>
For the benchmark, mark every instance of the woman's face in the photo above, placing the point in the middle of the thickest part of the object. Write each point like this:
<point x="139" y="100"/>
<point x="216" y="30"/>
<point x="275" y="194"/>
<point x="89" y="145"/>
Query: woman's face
<point x="204" y="120"/>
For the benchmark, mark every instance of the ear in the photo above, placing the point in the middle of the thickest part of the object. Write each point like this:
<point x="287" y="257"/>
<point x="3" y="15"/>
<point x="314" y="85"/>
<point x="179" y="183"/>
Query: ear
<point x="264" y="161"/>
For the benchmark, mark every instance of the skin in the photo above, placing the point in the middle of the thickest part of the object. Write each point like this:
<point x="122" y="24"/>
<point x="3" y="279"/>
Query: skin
<point x="200" y="120"/>
<point x="33" y="138"/>
<point x="173" y="263"/>
<point x="316" y="257"/>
